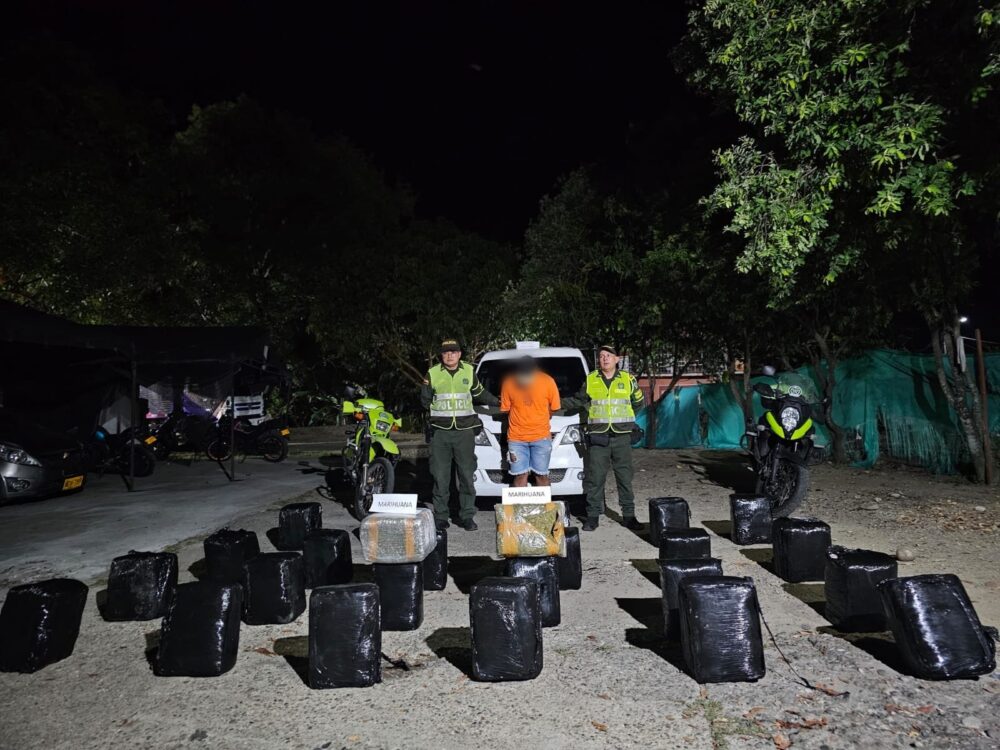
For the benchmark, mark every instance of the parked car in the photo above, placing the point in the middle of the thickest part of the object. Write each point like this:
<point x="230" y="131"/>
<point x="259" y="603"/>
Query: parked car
<point x="36" y="462"/>
<point x="568" y="368"/>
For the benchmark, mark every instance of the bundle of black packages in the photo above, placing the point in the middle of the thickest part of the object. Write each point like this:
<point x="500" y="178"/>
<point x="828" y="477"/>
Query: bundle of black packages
<point x="140" y="585"/>
<point x="800" y="546"/>
<point x="401" y="591"/>
<point x="295" y="522"/>
<point x="226" y="551"/>
<point x="570" y="568"/>
<point x="750" y="517"/>
<point x="720" y="629"/>
<point x="672" y="572"/>
<point x="506" y="622"/>
<point x="682" y="544"/>
<point x="543" y="570"/>
<point x="39" y="623"/>
<point x="345" y="636"/>
<point x="326" y="555"/>
<point x="667" y="513"/>
<point x="200" y="635"/>
<point x="936" y="627"/>
<point x="274" y="588"/>
<point x="853" y="603"/>
<point x="436" y="564"/>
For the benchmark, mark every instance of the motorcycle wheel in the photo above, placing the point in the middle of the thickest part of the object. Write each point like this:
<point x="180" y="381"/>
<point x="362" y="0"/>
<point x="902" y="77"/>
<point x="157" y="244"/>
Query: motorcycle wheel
<point x="381" y="479"/>
<point x="788" y="488"/>
<point x="273" y="447"/>
<point x="218" y="450"/>
<point x="145" y="461"/>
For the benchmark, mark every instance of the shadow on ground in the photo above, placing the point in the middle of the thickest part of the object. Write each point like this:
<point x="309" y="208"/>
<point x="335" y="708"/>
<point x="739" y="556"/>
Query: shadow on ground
<point x="455" y="646"/>
<point x="811" y="594"/>
<point x="650" y="569"/>
<point x="880" y="646"/>
<point x="763" y="556"/>
<point x="466" y="571"/>
<point x="295" y="650"/>
<point x="649" y="612"/>
<point x="722" y="528"/>
<point x="722" y="468"/>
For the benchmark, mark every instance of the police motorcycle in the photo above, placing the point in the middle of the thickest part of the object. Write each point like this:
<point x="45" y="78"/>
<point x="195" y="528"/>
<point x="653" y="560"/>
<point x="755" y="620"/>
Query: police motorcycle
<point x="370" y="455"/>
<point x="780" y="442"/>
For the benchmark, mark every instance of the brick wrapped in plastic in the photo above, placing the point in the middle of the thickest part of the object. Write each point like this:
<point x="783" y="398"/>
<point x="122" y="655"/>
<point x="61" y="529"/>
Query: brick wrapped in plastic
<point x="401" y="591"/>
<point x="506" y="622"/>
<point x="140" y="585"/>
<point x="672" y="572"/>
<point x="667" y="513"/>
<point x="571" y="567"/>
<point x="936" y="628"/>
<point x="39" y="623"/>
<point x="800" y="546"/>
<point x="531" y="529"/>
<point x="681" y="544"/>
<point x="296" y="521"/>
<point x="274" y="588"/>
<point x="327" y="558"/>
<point x="545" y="571"/>
<point x="750" y="516"/>
<point x="225" y="552"/>
<point x="200" y="636"/>
<point x="436" y="564"/>
<point x="345" y="636"/>
<point x="395" y="538"/>
<point x="720" y="629"/>
<point x="853" y="603"/>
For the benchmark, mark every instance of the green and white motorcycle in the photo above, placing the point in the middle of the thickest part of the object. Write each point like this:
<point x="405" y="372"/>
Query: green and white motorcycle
<point x="370" y="456"/>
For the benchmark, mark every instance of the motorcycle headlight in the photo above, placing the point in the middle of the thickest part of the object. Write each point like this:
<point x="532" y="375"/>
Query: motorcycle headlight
<point x="789" y="418"/>
<point x="572" y="435"/>
<point x="482" y="438"/>
<point x="14" y="455"/>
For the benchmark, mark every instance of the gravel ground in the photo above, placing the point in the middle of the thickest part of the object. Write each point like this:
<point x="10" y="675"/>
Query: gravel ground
<point x="610" y="680"/>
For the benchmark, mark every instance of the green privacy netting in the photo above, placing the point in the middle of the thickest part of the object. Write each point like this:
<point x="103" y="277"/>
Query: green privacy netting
<point x="888" y="402"/>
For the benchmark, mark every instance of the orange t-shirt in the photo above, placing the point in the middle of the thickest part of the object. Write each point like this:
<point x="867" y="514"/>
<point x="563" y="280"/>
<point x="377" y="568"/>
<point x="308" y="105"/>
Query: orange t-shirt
<point x="529" y="408"/>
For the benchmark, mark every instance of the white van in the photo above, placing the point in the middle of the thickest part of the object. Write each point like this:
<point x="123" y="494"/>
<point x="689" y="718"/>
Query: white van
<point x="568" y="368"/>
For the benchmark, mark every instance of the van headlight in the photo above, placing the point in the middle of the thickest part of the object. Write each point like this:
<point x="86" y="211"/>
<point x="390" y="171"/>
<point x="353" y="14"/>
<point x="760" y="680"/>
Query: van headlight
<point x="789" y="418"/>
<point x="482" y="438"/>
<point x="572" y="435"/>
<point x="14" y="455"/>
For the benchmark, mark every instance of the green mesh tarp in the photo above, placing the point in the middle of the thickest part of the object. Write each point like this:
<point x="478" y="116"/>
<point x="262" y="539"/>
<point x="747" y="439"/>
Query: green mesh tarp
<point x="677" y="419"/>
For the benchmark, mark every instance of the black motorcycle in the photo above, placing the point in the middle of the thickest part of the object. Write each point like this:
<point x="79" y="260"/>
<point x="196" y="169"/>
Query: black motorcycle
<point x="180" y="431"/>
<point x="269" y="439"/>
<point x="106" y="453"/>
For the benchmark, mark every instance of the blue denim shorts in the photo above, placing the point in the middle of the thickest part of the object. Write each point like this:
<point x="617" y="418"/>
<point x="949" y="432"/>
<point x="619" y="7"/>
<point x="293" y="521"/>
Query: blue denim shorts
<point x="533" y="456"/>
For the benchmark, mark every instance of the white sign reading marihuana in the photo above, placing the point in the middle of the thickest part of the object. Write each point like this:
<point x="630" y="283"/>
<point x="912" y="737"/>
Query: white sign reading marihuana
<point x="516" y="495"/>
<point x="404" y="505"/>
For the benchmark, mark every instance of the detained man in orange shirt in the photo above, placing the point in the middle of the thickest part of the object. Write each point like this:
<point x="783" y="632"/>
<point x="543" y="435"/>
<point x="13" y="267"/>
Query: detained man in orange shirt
<point x="529" y="397"/>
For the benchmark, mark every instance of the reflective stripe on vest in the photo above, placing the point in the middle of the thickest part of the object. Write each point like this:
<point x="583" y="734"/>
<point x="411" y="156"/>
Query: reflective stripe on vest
<point x="449" y="402"/>
<point x="608" y="409"/>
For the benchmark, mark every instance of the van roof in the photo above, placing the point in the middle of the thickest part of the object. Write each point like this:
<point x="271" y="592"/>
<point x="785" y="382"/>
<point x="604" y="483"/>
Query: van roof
<point x="544" y="351"/>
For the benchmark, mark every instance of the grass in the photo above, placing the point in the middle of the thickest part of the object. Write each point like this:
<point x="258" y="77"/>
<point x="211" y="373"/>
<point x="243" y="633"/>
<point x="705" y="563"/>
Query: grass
<point x="720" y="725"/>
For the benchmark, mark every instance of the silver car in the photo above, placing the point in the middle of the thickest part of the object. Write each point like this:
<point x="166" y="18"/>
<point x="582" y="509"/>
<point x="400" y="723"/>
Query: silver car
<point x="36" y="462"/>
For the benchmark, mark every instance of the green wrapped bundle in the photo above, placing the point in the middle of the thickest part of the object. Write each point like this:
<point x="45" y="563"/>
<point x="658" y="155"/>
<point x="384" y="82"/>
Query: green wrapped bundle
<point x="531" y="530"/>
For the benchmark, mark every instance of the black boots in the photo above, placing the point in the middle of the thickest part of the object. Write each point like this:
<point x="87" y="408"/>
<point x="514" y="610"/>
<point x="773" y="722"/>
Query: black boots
<point x="591" y="523"/>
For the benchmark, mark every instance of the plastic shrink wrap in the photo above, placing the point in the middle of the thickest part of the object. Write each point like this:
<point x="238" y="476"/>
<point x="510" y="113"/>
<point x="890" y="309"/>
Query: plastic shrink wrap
<point x="395" y="538"/>
<point x="545" y="571"/>
<point x="295" y="522"/>
<point x="531" y="530"/>
<point x="39" y="623"/>
<point x="436" y="564"/>
<point x="401" y="591"/>
<point x="326" y="555"/>
<point x="345" y="636"/>
<point x="720" y="629"/>
<point x="853" y="603"/>
<point x="506" y="622"/>
<point x="672" y="572"/>
<point x="274" y="588"/>
<point x="936" y="629"/>
<point x="571" y="567"/>
<point x="140" y="585"/>
<point x="750" y="517"/>
<point x="667" y="513"/>
<point x="800" y="546"/>
<point x="682" y="544"/>
<point x="200" y="636"/>
<point x="225" y="552"/>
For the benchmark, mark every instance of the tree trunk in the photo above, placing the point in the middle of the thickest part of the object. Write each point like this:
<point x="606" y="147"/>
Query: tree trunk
<point x="826" y="367"/>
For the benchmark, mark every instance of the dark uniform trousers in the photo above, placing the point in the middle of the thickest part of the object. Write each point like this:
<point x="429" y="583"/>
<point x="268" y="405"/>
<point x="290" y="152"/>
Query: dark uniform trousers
<point x="601" y="458"/>
<point x="449" y="445"/>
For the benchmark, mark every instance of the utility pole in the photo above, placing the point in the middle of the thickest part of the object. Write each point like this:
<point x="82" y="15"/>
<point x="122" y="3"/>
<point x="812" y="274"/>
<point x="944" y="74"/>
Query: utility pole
<point x="981" y="367"/>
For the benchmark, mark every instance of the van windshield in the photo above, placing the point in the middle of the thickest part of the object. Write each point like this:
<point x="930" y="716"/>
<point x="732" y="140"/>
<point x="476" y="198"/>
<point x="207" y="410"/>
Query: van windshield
<point x="568" y="372"/>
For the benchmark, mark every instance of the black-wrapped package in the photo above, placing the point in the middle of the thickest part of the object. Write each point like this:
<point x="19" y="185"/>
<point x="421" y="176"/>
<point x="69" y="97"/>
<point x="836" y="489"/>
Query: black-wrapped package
<point x="274" y="588"/>
<point x="436" y="564"/>
<point x="672" y="572"/>
<point x="720" y="629"/>
<point x="295" y="522"/>
<point x="853" y="603"/>
<point x="682" y="544"/>
<point x="200" y="635"/>
<point x="570" y="568"/>
<point x="800" y="546"/>
<point x="667" y="513"/>
<point x="401" y="591"/>
<point x="543" y="570"/>
<point x="936" y="627"/>
<point x="226" y="551"/>
<point x="750" y="517"/>
<point x="140" y="585"/>
<point x="345" y="636"/>
<point x="39" y="623"/>
<point x="326" y="555"/>
<point x="506" y="621"/>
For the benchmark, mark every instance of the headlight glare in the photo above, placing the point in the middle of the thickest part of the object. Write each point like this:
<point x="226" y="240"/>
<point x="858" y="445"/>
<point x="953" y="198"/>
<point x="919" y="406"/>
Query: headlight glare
<point x="572" y="435"/>
<point x="789" y="418"/>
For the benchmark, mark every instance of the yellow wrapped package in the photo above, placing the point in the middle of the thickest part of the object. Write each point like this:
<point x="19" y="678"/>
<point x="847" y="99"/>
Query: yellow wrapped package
<point x="531" y="530"/>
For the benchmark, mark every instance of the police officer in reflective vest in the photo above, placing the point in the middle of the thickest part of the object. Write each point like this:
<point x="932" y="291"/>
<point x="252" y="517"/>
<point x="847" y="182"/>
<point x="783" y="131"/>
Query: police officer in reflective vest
<point x="449" y="391"/>
<point x="612" y="397"/>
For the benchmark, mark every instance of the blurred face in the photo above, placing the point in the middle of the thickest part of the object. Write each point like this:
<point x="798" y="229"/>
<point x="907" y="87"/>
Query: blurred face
<point x="608" y="361"/>
<point x="451" y="359"/>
